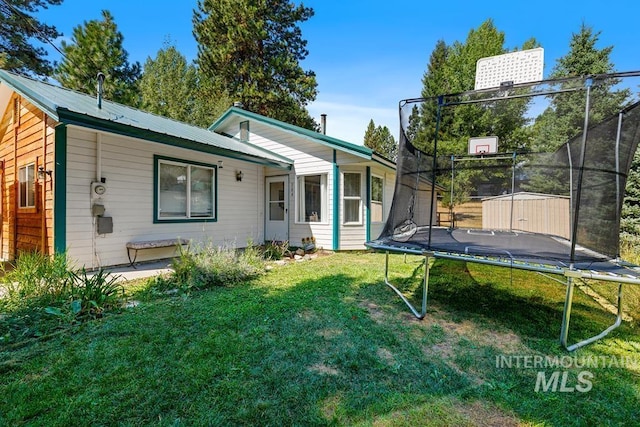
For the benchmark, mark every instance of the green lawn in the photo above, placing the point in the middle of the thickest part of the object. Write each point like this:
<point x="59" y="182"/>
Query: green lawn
<point x="324" y="342"/>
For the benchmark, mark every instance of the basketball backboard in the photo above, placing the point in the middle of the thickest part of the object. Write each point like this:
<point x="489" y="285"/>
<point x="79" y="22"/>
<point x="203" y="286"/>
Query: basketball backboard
<point x="522" y="66"/>
<point x="483" y="145"/>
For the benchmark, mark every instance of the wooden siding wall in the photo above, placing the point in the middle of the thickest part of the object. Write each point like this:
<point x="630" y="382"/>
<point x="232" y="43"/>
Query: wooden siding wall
<point x="127" y="166"/>
<point x="27" y="136"/>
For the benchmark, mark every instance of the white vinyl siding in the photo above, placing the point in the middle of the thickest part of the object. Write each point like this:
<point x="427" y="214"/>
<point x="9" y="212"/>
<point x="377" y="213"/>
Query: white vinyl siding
<point x="310" y="158"/>
<point x="128" y="167"/>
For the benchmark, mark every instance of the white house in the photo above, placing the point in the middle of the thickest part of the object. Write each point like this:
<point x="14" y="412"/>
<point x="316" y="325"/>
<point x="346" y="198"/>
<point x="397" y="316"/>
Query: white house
<point x="89" y="177"/>
<point x="338" y="192"/>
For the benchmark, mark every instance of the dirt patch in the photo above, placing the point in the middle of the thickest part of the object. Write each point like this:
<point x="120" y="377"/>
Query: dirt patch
<point x="375" y="311"/>
<point x="329" y="334"/>
<point x="386" y="356"/>
<point x="321" y="368"/>
<point x="486" y="415"/>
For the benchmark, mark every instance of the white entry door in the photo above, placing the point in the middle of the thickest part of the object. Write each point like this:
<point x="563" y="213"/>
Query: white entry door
<point x="277" y="209"/>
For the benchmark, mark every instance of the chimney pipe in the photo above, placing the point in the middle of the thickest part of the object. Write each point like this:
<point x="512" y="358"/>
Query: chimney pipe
<point x="323" y="123"/>
<point x="101" y="78"/>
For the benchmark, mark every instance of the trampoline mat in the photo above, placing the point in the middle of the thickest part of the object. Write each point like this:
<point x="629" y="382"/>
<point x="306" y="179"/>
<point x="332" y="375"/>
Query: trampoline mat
<point x="510" y="246"/>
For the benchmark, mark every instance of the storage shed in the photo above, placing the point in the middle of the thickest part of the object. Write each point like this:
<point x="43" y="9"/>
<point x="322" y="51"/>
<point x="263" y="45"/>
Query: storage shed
<point x="532" y="212"/>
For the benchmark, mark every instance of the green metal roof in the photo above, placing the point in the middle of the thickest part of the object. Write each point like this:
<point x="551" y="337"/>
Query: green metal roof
<point x="338" y="144"/>
<point x="70" y="107"/>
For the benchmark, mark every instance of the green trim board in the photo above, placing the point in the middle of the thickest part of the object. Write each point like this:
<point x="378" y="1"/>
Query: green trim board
<point x="156" y="190"/>
<point x="367" y="205"/>
<point x="336" y="202"/>
<point x="60" y="190"/>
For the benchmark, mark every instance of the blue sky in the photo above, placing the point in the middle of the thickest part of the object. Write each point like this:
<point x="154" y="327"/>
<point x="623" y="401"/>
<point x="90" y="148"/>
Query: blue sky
<point x="369" y="55"/>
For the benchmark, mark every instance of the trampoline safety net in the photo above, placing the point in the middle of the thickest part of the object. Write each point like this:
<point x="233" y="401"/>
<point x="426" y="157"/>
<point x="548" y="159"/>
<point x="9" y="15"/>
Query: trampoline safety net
<point x="553" y="188"/>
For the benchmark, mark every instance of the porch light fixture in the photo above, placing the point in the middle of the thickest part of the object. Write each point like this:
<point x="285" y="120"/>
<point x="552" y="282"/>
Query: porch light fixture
<point x="42" y="172"/>
<point x="219" y="164"/>
<point x="239" y="175"/>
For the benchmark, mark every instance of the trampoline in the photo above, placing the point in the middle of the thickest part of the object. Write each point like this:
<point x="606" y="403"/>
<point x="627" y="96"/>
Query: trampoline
<point x="529" y="176"/>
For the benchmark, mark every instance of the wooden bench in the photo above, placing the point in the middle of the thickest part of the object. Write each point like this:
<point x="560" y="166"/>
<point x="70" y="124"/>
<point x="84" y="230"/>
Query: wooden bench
<point x="151" y="244"/>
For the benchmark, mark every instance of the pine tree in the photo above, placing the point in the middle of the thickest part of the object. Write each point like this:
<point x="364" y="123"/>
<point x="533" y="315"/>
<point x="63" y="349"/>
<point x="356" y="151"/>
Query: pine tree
<point x="18" y="29"/>
<point x="380" y="140"/>
<point x="97" y="46"/>
<point x="251" y="50"/>
<point x="168" y="85"/>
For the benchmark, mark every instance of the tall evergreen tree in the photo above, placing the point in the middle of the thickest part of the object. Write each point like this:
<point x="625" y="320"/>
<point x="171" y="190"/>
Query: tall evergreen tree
<point x="380" y="140"/>
<point x="584" y="58"/>
<point x="18" y="29"/>
<point x="168" y="85"/>
<point x="97" y="46"/>
<point x="251" y="49"/>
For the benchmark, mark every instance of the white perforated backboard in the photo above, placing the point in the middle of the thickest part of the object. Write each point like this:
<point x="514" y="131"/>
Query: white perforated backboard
<point x="517" y="67"/>
<point x="483" y="145"/>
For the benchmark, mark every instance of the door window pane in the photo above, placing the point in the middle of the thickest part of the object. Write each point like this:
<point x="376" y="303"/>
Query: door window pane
<point x="276" y="201"/>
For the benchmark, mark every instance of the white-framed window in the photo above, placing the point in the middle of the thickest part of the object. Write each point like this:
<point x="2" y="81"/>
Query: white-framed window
<point x="244" y="131"/>
<point x="312" y="198"/>
<point x="185" y="191"/>
<point x="377" y="199"/>
<point x="27" y="180"/>
<point x="352" y="198"/>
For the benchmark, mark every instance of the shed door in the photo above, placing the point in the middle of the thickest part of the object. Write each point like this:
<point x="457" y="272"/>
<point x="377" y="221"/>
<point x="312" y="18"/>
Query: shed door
<point x="277" y="209"/>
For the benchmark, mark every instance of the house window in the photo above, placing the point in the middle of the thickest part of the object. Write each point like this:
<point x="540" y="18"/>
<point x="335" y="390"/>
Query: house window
<point x="26" y="179"/>
<point x="377" y="190"/>
<point x="186" y="191"/>
<point x="352" y="198"/>
<point x="244" y="131"/>
<point x="312" y="191"/>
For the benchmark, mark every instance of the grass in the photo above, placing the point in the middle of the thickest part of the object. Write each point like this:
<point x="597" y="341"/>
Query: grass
<point x="324" y="343"/>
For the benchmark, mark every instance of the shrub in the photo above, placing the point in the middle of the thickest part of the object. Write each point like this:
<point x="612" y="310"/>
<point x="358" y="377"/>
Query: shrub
<point x="208" y="265"/>
<point x="35" y="280"/>
<point x="39" y="286"/>
<point x="91" y="295"/>
<point x="275" y="250"/>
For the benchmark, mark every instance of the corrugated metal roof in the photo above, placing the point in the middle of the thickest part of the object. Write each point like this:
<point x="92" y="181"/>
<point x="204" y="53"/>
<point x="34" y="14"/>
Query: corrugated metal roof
<point x="71" y="107"/>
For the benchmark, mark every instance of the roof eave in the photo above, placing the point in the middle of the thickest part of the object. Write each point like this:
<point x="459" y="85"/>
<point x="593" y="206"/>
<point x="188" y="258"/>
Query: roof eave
<point x="50" y="109"/>
<point x="73" y="118"/>
<point x="356" y="150"/>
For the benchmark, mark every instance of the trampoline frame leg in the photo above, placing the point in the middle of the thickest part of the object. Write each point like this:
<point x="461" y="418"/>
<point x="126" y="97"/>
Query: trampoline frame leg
<point x="566" y="315"/>
<point x="425" y="285"/>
